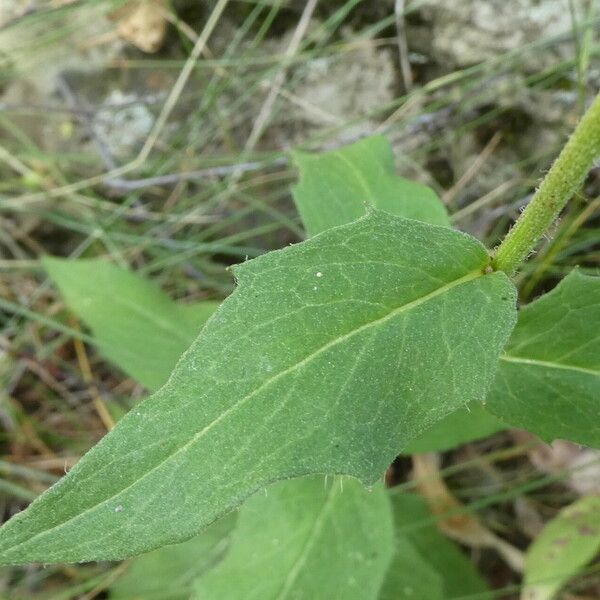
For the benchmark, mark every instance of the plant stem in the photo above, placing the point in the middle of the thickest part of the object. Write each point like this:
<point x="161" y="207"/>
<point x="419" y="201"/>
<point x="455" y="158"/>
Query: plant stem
<point x="564" y="178"/>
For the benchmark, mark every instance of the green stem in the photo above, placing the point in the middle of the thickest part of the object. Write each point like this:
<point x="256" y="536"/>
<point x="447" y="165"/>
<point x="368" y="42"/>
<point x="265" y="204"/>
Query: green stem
<point x="564" y="178"/>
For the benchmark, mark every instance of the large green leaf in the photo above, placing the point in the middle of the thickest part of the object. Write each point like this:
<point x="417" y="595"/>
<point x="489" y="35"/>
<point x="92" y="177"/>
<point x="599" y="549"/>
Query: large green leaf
<point x="306" y="539"/>
<point x="549" y="377"/>
<point x="335" y="187"/>
<point x="135" y="324"/>
<point x="427" y="564"/>
<point x="562" y="549"/>
<point x="169" y="573"/>
<point x="329" y="358"/>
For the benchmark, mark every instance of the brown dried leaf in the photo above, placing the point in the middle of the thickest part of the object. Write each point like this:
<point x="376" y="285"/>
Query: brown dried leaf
<point x="579" y="466"/>
<point x="142" y="23"/>
<point x="454" y="520"/>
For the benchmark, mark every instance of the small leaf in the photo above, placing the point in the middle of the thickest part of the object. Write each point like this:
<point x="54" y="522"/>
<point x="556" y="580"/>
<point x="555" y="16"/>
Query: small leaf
<point x="335" y="187"/>
<point x="426" y="564"/>
<point x="136" y="325"/>
<point x="465" y="425"/>
<point x="169" y="573"/>
<point x="306" y="539"/>
<point x="329" y="358"/>
<point x="563" y="548"/>
<point x="549" y="376"/>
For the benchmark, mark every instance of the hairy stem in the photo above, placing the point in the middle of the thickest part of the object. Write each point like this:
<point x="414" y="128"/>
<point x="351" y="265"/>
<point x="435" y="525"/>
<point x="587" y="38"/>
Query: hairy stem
<point x="562" y="181"/>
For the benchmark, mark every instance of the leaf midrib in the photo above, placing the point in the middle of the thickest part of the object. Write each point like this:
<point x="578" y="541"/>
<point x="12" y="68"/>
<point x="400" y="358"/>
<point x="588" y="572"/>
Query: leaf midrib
<point x="359" y="176"/>
<point x="548" y="364"/>
<point x="165" y="324"/>
<point x="393" y="313"/>
<point x="310" y="540"/>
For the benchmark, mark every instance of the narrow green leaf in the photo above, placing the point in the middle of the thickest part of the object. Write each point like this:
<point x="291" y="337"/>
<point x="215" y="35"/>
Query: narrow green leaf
<point x="329" y="358"/>
<point x="427" y="564"/>
<point x="335" y="187"/>
<point x="465" y="425"/>
<point x="136" y="325"/>
<point x="169" y="573"/>
<point x="549" y="376"/>
<point x="306" y="539"/>
<point x="562" y="549"/>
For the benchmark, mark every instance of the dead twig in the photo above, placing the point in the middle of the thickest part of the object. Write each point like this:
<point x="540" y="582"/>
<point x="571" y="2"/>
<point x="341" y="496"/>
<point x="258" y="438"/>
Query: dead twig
<point x="405" y="70"/>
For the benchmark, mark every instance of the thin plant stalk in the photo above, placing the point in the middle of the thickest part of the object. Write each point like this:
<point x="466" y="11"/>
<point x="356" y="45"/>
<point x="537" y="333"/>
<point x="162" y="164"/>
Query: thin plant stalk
<point x="562" y="181"/>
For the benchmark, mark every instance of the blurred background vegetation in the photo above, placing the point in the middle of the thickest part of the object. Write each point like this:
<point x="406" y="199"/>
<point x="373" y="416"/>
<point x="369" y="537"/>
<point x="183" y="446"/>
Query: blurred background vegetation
<point x="122" y="136"/>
